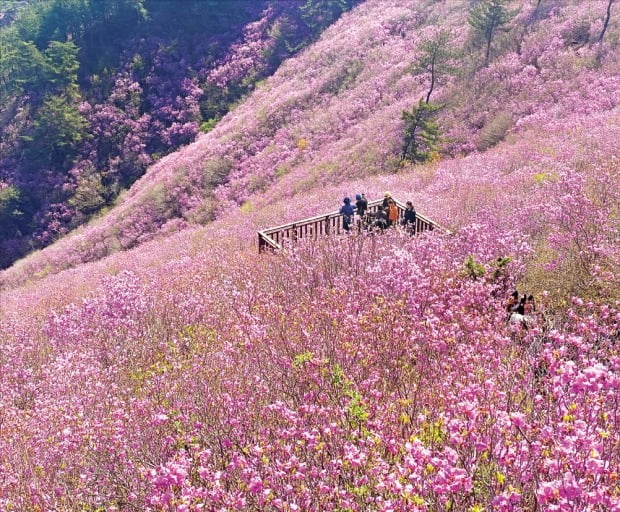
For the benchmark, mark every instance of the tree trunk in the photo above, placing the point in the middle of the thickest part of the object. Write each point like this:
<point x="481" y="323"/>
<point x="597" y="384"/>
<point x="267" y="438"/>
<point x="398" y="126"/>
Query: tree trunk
<point x="430" y="91"/>
<point x="411" y="140"/>
<point x="490" y="31"/>
<point x="607" y="17"/>
<point x="535" y="13"/>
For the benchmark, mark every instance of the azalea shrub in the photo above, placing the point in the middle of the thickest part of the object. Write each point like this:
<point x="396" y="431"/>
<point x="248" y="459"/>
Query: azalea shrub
<point x="369" y="372"/>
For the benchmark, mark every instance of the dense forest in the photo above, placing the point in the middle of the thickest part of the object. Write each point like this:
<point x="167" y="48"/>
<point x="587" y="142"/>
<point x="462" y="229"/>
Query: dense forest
<point x="93" y="92"/>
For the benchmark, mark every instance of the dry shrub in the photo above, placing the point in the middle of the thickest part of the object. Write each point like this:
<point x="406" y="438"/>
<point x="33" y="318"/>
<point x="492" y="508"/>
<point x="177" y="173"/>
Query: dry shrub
<point x="494" y="130"/>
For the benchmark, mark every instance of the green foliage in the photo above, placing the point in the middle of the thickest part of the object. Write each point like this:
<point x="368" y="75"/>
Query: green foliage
<point x="500" y="265"/>
<point x="301" y="359"/>
<point x="58" y="127"/>
<point x="356" y="409"/>
<point x="473" y="268"/>
<point x="215" y="102"/>
<point x="11" y="214"/>
<point x="486" y="19"/>
<point x="62" y="65"/>
<point x="22" y="65"/>
<point x="291" y="34"/>
<point x="432" y="434"/>
<point x="502" y="261"/>
<point x="51" y="75"/>
<point x="77" y="20"/>
<point x="319" y="14"/>
<point x="208" y="125"/>
<point x="487" y="477"/>
<point x="422" y="133"/>
<point x="89" y="195"/>
<point x="137" y="64"/>
<point x="215" y="171"/>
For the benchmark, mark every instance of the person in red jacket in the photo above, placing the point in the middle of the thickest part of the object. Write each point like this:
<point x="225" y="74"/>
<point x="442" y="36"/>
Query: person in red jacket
<point x="392" y="213"/>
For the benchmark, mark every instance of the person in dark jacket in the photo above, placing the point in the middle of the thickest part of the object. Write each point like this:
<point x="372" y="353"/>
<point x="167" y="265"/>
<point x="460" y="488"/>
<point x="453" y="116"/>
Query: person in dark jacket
<point x="361" y="204"/>
<point x="513" y="302"/>
<point x="347" y="214"/>
<point x="409" y="218"/>
<point x="387" y="197"/>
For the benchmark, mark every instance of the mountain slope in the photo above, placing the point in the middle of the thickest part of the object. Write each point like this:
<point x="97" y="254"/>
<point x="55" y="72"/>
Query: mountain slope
<point x="92" y="93"/>
<point x="373" y="372"/>
<point x="334" y="113"/>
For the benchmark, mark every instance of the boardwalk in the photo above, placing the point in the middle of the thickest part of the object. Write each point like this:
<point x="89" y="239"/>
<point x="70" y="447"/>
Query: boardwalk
<point x="322" y="225"/>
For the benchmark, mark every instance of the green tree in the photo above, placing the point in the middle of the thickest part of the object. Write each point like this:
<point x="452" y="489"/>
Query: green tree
<point x="57" y="129"/>
<point x="89" y="196"/>
<point x="435" y="57"/>
<point x="22" y="66"/>
<point x="62" y="66"/>
<point x="486" y="19"/>
<point x="100" y="28"/>
<point x="422" y="132"/>
<point x="320" y="14"/>
<point x="314" y="16"/>
<point x="11" y="214"/>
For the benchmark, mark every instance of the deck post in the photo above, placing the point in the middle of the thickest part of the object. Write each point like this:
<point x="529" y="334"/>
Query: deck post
<point x="327" y="230"/>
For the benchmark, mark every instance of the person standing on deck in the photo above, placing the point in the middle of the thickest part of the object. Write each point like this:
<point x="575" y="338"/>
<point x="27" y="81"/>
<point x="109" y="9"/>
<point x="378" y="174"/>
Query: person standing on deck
<point x="410" y="218"/>
<point x="362" y="205"/>
<point x="386" y="199"/>
<point x="347" y="214"/>
<point x="392" y="213"/>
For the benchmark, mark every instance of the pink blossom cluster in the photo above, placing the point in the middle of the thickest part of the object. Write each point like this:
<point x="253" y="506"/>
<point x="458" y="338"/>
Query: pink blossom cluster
<point x="385" y="379"/>
<point x="247" y="55"/>
<point x="373" y="372"/>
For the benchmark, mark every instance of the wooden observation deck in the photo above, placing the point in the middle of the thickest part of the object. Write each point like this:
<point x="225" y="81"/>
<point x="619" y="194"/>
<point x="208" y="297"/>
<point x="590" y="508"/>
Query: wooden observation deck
<point x="331" y="223"/>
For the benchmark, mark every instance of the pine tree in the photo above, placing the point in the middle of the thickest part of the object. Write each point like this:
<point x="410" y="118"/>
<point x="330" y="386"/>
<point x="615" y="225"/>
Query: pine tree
<point x="435" y="59"/>
<point x="57" y="128"/>
<point x="421" y="132"/>
<point x="486" y="19"/>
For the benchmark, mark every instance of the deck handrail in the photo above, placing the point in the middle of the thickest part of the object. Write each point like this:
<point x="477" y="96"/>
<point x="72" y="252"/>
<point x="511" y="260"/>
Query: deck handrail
<point x="326" y="224"/>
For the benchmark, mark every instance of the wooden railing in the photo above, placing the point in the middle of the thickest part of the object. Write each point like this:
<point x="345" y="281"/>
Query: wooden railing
<point x="331" y="223"/>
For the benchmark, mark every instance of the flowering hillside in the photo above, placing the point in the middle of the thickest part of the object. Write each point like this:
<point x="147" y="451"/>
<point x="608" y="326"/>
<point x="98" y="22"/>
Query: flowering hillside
<point x="93" y="92"/>
<point x="356" y="373"/>
<point x="370" y="373"/>
<point x="334" y="113"/>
